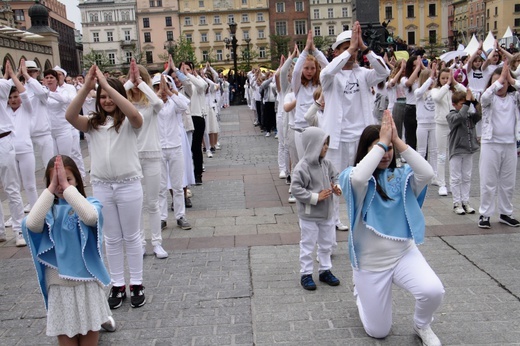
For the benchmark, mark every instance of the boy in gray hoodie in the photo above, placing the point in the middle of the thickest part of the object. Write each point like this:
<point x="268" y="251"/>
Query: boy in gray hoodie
<point x="314" y="180"/>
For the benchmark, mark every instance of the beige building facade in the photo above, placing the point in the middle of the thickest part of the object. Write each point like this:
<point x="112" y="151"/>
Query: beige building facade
<point x="500" y="14"/>
<point x="329" y="19"/>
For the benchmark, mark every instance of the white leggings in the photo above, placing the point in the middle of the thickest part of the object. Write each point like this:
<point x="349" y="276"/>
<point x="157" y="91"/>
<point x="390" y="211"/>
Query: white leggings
<point x="173" y="164"/>
<point x="122" y="203"/>
<point x="282" y="148"/>
<point x="321" y="233"/>
<point x="427" y="139"/>
<point x="441" y="133"/>
<point x="11" y="184"/>
<point x="151" y="186"/>
<point x="373" y="292"/>
<point x="26" y="167"/>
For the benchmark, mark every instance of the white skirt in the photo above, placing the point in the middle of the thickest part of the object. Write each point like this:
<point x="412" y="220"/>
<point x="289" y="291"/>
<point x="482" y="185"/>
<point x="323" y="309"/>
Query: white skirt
<point x="76" y="309"/>
<point x="211" y="121"/>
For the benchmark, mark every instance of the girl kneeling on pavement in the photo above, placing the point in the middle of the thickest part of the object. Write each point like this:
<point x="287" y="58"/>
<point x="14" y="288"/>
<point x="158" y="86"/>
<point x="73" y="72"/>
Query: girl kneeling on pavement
<point x="386" y="222"/>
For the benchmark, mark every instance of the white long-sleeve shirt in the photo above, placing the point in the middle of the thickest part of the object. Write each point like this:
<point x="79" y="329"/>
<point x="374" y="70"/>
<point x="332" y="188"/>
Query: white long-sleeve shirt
<point x="442" y="98"/>
<point x="21" y="118"/>
<point x="38" y="94"/>
<point x="170" y="121"/>
<point x="57" y="105"/>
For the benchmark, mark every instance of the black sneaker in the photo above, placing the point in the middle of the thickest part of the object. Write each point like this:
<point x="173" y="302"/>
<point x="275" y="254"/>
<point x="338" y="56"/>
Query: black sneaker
<point x="212" y="149"/>
<point x="329" y="278"/>
<point x="509" y="220"/>
<point x="483" y="222"/>
<point x="187" y="202"/>
<point x="198" y="180"/>
<point x="288" y="179"/>
<point x="163" y="225"/>
<point x="307" y="282"/>
<point x="137" y="298"/>
<point x="116" y="296"/>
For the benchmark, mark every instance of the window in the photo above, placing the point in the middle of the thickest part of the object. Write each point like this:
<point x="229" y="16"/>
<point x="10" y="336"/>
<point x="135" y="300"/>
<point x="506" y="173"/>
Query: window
<point x="147" y="37"/>
<point x="411" y="37"/>
<point x="152" y="3"/>
<point x="169" y="35"/>
<point x="344" y="12"/>
<point x="159" y="3"/>
<point x="216" y="20"/>
<point x="98" y="59"/>
<point x="146" y="22"/>
<point x="112" y="58"/>
<point x="95" y="36"/>
<point x="259" y="17"/>
<point x="245" y="18"/>
<point x="187" y="20"/>
<point x="246" y="34"/>
<point x="330" y="1"/>
<point x="244" y="2"/>
<point x="432" y="35"/>
<point x="330" y="13"/>
<point x="168" y="21"/>
<point x="202" y="20"/>
<point x="410" y="13"/>
<point x="231" y="18"/>
<point x="127" y="35"/>
<point x="315" y="2"/>
<point x="316" y="13"/>
<point x="388" y="12"/>
<point x="317" y="31"/>
<point x="432" y="10"/>
<point x="18" y="15"/>
<point x="300" y="27"/>
<point x="517" y="8"/>
<point x="261" y="53"/>
<point x="495" y="25"/>
<point x="487" y="14"/>
<point x="125" y="15"/>
<point x="517" y="21"/>
<point x="205" y="55"/>
<point x="496" y="11"/>
<point x="298" y="6"/>
<point x="189" y="38"/>
<point x="261" y="33"/>
<point x="149" y="57"/>
<point x="281" y="28"/>
<point x="201" y="3"/>
<point x="128" y="57"/>
<point x="94" y="17"/>
<point x="332" y="30"/>
<point x="204" y="37"/>
<point x="280" y="7"/>
<point x="219" y="55"/>
<point x="218" y="36"/>
<point x="110" y="36"/>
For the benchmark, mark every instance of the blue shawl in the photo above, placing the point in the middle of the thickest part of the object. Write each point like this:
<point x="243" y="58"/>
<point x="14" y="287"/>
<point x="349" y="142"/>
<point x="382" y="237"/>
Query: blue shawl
<point x="67" y="245"/>
<point x="399" y="219"/>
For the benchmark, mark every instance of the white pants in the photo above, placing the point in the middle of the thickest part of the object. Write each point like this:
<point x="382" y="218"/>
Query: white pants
<point x="122" y="205"/>
<point x="75" y="152"/>
<point x="373" y="292"/>
<point x="293" y="153"/>
<point x="497" y="177"/>
<point x="341" y="158"/>
<point x="11" y="183"/>
<point x="282" y="148"/>
<point x="26" y="165"/>
<point x="427" y="139"/>
<point x="298" y="144"/>
<point x="460" y="177"/>
<point x="172" y="163"/>
<point x="441" y="133"/>
<point x="151" y="186"/>
<point x="45" y="145"/>
<point x="62" y="142"/>
<point x="322" y="233"/>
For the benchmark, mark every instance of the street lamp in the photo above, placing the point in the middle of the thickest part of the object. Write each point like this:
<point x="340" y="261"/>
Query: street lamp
<point x="248" y="56"/>
<point x="233" y="31"/>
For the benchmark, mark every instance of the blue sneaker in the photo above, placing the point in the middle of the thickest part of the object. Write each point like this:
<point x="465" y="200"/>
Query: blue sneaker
<point x="307" y="282"/>
<point x="329" y="278"/>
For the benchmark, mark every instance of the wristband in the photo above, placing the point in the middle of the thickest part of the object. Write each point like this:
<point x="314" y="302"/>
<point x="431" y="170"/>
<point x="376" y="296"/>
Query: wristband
<point x="383" y="146"/>
<point x="366" y="51"/>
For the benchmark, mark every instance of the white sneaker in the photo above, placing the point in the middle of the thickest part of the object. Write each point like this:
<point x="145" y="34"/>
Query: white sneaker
<point x="291" y="198"/>
<point x="276" y="135"/>
<point x="435" y="182"/>
<point x="159" y="252"/>
<point x="27" y="208"/>
<point x="282" y="175"/>
<point x="9" y="223"/>
<point x="468" y="208"/>
<point x="110" y="325"/>
<point x="3" y="238"/>
<point x="341" y="227"/>
<point x="209" y="153"/>
<point x="217" y="146"/>
<point x="443" y="191"/>
<point x="268" y="134"/>
<point x="20" y="242"/>
<point x="427" y="336"/>
<point x="458" y="209"/>
<point x="189" y="194"/>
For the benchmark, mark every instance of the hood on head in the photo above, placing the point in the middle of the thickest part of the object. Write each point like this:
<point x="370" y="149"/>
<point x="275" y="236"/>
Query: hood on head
<point x="313" y="139"/>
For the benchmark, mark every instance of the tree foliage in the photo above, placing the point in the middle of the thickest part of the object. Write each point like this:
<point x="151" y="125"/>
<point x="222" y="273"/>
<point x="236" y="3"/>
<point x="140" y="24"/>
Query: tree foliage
<point x="279" y="46"/>
<point x="180" y="50"/>
<point x="96" y="58"/>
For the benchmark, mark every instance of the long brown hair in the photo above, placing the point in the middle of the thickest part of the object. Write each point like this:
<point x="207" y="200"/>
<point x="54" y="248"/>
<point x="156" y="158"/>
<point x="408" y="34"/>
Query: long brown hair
<point x="69" y="164"/>
<point x="137" y="96"/>
<point x="316" y="79"/>
<point x="100" y="116"/>
<point x="438" y="84"/>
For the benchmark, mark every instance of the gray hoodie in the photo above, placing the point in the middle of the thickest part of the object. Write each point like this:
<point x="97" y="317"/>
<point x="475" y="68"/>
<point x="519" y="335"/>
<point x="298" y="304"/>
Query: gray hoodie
<point x="463" y="134"/>
<point x="311" y="175"/>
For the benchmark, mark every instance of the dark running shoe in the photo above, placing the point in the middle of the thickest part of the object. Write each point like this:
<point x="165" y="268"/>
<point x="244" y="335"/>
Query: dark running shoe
<point x="483" y="222"/>
<point x="509" y="220"/>
<point x="307" y="282"/>
<point x="116" y="297"/>
<point x="329" y="278"/>
<point x="137" y="298"/>
<point x="187" y="202"/>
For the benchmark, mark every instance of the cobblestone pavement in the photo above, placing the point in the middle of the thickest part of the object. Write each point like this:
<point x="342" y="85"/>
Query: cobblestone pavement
<point x="234" y="278"/>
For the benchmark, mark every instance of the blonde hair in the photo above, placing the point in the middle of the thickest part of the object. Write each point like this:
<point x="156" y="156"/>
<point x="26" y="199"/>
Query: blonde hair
<point x="317" y="93"/>
<point x="424" y="75"/>
<point x="137" y="96"/>
<point x="396" y="68"/>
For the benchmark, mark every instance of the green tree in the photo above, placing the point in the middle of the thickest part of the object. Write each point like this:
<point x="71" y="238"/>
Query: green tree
<point x="322" y="43"/>
<point x="98" y="58"/>
<point x="279" y="46"/>
<point x="433" y="46"/>
<point x="180" y="50"/>
<point x="248" y="57"/>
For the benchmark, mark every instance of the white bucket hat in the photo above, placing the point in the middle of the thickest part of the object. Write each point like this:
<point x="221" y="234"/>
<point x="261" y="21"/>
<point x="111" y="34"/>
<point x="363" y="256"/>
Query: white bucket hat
<point x="345" y="36"/>
<point x="59" y="69"/>
<point x="31" y="65"/>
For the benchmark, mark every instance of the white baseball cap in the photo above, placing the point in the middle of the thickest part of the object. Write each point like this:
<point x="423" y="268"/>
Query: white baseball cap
<point x="345" y="36"/>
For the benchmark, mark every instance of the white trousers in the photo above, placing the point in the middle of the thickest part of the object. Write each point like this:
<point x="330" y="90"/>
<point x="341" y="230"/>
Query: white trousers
<point x="441" y="133"/>
<point x="373" y="292"/>
<point x="460" y="177"/>
<point x="122" y="205"/>
<point x="45" y="145"/>
<point x="11" y="183"/>
<point x="75" y="152"/>
<point x="172" y="163"/>
<point x="298" y="144"/>
<point x="497" y="177"/>
<point x="427" y="139"/>
<point x="26" y="165"/>
<point x="322" y="233"/>
<point x="293" y="153"/>
<point x="151" y="187"/>
<point x="282" y="148"/>
<point x="62" y="142"/>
